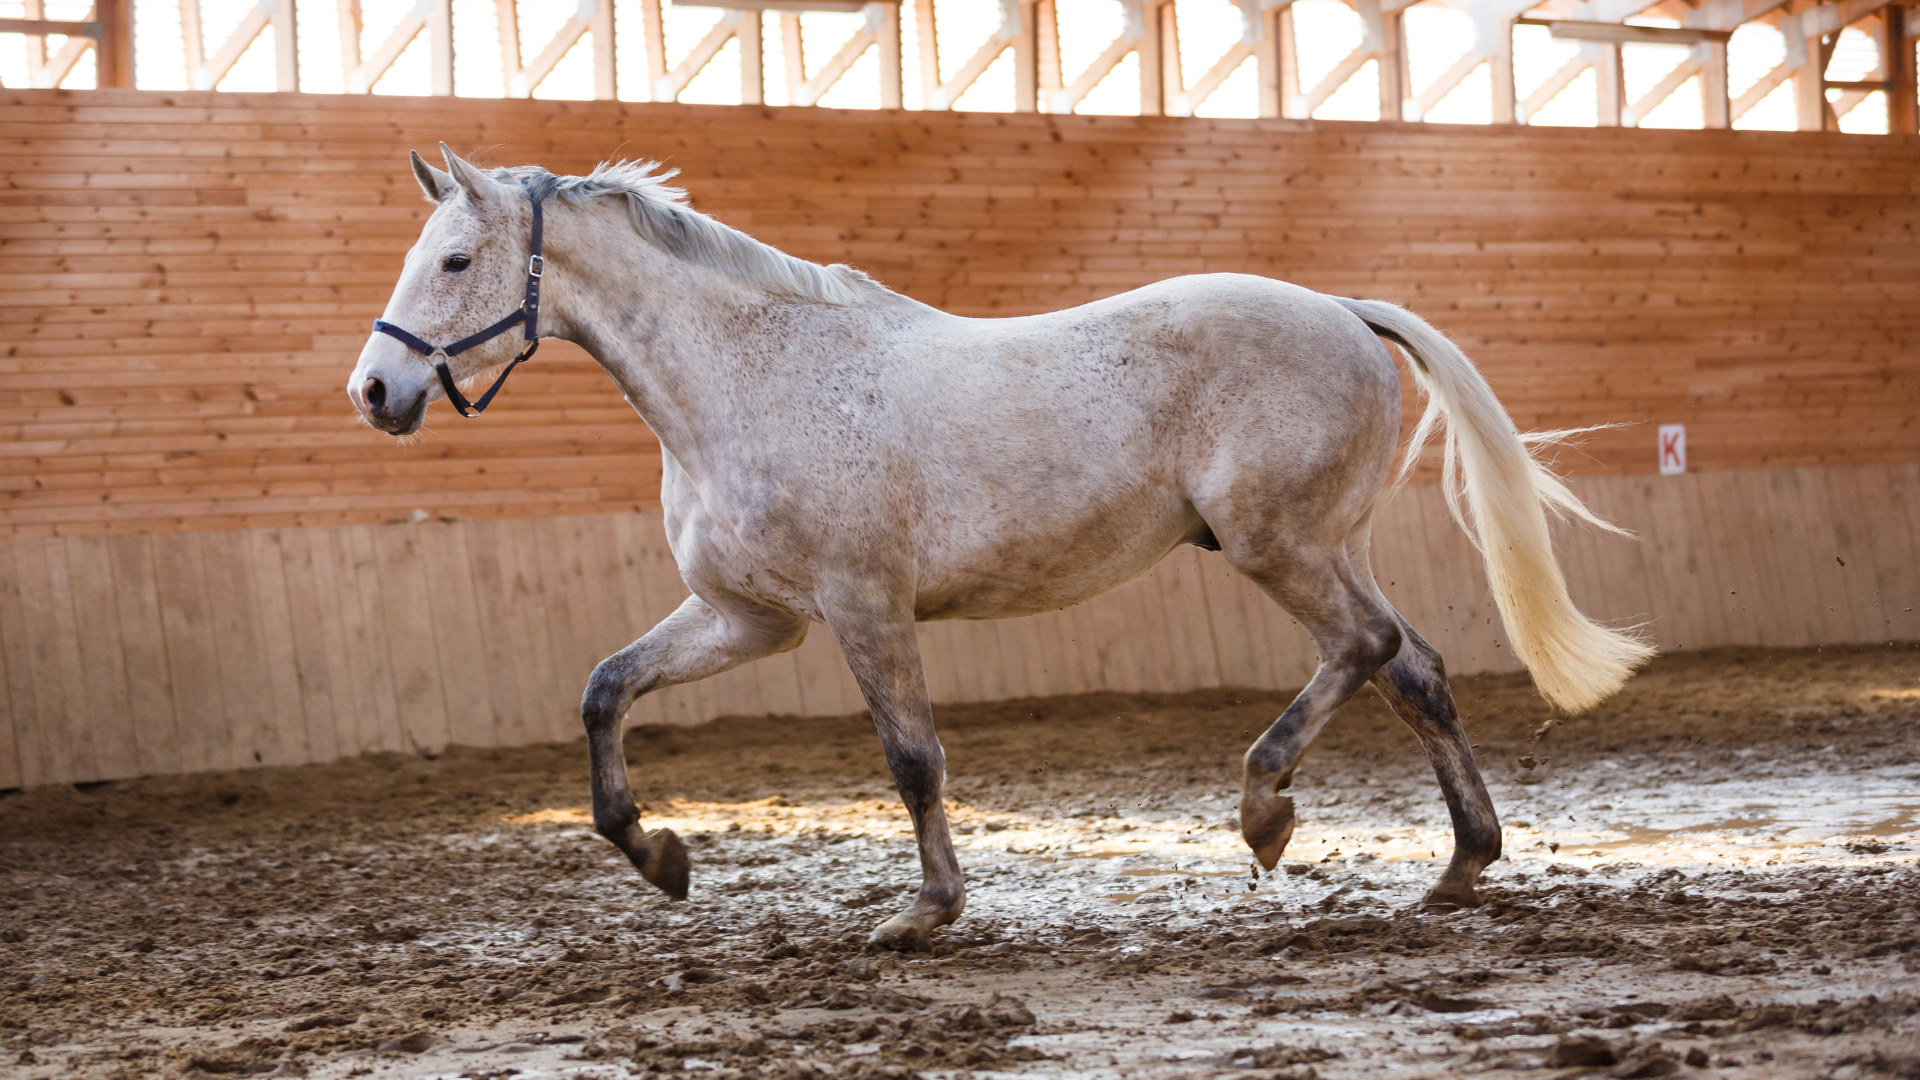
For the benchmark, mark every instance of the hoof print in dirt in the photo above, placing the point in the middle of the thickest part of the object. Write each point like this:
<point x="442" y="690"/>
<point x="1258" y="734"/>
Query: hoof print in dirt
<point x="418" y="1042"/>
<point x="1582" y="1051"/>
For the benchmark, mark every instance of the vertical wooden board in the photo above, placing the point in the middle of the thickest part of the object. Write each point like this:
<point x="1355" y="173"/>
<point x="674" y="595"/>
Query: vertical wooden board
<point x="1761" y="596"/>
<point x="1678" y="622"/>
<point x="1829" y="608"/>
<point x="310" y="622"/>
<point x="826" y="686"/>
<point x="1850" y="491"/>
<point x="1196" y="658"/>
<point x="1724" y="553"/>
<point x="406" y="613"/>
<point x="1792" y="549"/>
<point x="602" y="630"/>
<point x="1149" y="615"/>
<point x="59" y="656"/>
<point x="1837" y="503"/>
<point x="360" y="571"/>
<point x="936" y="657"/>
<point x="328" y="639"/>
<point x="1112" y="643"/>
<point x="103" y="658"/>
<point x="545" y="565"/>
<point x="235" y="607"/>
<point x="459" y="635"/>
<point x="1083" y="653"/>
<point x="1781" y="587"/>
<point x="294" y="744"/>
<point x="1033" y="636"/>
<point x="199" y="699"/>
<point x="15" y="705"/>
<point x="502" y="636"/>
<point x="1233" y="632"/>
<point x="574" y="609"/>
<point x="1623" y="569"/>
<point x="32" y="717"/>
<point x="1888" y="494"/>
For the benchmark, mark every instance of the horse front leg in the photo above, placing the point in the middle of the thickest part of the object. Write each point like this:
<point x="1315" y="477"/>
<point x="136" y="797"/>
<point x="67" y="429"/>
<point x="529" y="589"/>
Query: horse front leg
<point x="1415" y="685"/>
<point x="696" y="641"/>
<point x="884" y="654"/>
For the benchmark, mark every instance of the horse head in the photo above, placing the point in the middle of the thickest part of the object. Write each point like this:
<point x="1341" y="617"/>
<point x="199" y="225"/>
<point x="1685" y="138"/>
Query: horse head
<point x="469" y="265"/>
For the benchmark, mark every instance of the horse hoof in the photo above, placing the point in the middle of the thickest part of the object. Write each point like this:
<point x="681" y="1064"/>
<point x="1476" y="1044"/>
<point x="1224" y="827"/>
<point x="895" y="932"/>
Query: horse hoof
<point x="1445" y="898"/>
<point x="900" y="938"/>
<point x="663" y="862"/>
<point x="1267" y="826"/>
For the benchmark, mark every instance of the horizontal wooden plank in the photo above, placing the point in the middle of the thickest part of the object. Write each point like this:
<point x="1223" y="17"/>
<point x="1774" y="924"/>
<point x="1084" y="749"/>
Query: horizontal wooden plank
<point x="187" y="278"/>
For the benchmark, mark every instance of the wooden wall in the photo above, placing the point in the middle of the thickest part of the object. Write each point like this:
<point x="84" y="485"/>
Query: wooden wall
<point x="185" y="279"/>
<point x="202" y="564"/>
<point x="169" y="652"/>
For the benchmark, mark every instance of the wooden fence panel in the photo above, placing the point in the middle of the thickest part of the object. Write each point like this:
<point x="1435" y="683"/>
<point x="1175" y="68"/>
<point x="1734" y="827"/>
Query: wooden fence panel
<point x="185" y="652"/>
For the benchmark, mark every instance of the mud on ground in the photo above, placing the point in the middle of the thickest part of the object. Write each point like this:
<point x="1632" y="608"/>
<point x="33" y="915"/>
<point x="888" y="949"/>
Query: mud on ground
<point x="1714" y="874"/>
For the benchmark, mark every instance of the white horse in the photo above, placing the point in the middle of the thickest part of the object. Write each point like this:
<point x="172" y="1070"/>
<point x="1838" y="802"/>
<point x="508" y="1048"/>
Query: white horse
<point x="835" y="452"/>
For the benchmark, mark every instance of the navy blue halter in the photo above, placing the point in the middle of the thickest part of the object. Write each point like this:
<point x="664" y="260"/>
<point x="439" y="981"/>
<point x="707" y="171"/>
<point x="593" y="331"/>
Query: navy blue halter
<point x="527" y="315"/>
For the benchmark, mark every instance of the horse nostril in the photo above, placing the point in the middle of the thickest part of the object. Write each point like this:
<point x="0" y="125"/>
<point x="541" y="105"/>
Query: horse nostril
<point x="376" y="392"/>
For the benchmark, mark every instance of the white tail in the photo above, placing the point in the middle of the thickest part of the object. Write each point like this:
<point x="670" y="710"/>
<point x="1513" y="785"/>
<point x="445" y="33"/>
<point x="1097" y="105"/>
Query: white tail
<point x="1575" y="661"/>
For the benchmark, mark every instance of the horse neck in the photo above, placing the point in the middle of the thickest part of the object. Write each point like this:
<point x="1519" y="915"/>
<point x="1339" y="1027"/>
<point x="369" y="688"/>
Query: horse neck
<point x="690" y="347"/>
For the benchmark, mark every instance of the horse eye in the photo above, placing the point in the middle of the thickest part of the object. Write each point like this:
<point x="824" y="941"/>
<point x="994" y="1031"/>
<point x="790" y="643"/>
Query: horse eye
<point x="456" y="263"/>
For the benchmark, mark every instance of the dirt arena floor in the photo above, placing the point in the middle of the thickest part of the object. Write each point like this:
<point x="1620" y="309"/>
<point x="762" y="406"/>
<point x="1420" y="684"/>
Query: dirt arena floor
<point x="1715" y="874"/>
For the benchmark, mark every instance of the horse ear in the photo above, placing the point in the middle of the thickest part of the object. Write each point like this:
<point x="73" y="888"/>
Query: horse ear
<point x="478" y="185"/>
<point x="436" y="184"/>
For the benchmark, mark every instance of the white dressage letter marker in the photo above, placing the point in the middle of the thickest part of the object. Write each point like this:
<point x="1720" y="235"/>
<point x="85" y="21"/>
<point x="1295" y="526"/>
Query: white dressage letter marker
<point x="1673" y="449"/>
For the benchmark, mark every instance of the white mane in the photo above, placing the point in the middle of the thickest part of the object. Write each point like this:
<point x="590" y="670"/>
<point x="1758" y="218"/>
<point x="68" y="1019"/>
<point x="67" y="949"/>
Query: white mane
<point x="661" y="215"/>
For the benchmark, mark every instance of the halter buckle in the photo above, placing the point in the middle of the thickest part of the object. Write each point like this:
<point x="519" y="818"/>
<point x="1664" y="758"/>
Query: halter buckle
<point x="536" y="266"/>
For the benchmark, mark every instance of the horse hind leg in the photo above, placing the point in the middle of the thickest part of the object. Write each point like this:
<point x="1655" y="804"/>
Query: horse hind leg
<point x="1415" y="686"/>
<point x="1356" y="633"/>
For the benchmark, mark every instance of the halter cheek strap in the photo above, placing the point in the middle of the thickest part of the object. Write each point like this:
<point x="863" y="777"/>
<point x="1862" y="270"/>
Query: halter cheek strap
<point x="526" y="315"/>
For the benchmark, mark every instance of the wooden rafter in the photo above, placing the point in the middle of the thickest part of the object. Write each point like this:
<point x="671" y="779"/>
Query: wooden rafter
<point x="435" y="17"/>
<point x="522" y="79"/>
<point x="205" y="73"/>
<point x="741" y="19"/>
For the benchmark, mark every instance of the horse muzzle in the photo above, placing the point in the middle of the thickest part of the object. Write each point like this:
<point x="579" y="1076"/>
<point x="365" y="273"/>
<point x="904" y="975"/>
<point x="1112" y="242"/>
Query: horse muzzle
<point x="393" y="402"/>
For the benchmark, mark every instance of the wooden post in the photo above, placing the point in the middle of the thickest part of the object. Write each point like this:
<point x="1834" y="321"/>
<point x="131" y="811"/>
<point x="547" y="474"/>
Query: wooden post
<point x="113" y="53"/>
<point x="1173" y="82"/>
<point x="192" y="43"/>
<point x="1611" y="82"/>
<point x="656" y="34"/>
<point x="507" y="12"/>
<point x="892" y="77"/>
<point x="1393" y="66"/>
<point x="286" y="49"/>
<point x="37" y="43"/>
<point x="1046" y="32"/>
<point x="1716" y="107"/>
<point x="1903" y="98"/>
<point x="350" y="27"/>
<point x="1810" y="109"/>
<point x="1268" y="61"/>
<point x="1501" y="68"/>
<point x="793" y="51"/>
<point x="1287" y="64"/>
<point x="923" y="28"/>
<point x="753" y="86"/>
<point x="1153" y="100"/>
<point x="606" y="76"/>
<point x="1026" y="60"/>
<point x="440" y="45"/>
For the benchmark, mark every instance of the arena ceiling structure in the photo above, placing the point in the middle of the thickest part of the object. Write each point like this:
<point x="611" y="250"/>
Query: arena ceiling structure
<point x="1780" y="64"/>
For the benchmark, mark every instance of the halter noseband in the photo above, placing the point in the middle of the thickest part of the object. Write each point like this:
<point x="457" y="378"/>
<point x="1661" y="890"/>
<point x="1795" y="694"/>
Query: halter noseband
<point x="527" y="314"/>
